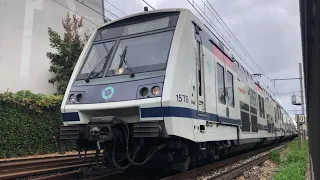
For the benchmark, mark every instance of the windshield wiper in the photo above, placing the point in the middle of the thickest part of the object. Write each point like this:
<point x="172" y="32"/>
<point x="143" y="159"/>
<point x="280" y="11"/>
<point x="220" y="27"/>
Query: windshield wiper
<point x="123" y="59"/>
<point x="93" y="71"/>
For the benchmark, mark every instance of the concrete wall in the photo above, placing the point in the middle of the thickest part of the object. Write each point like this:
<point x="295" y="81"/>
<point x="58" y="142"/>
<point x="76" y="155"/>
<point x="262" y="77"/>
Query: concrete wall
<point x="24" y="39"/>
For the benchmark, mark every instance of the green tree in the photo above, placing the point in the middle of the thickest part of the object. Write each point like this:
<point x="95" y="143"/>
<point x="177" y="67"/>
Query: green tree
<point x="67" y="51"/>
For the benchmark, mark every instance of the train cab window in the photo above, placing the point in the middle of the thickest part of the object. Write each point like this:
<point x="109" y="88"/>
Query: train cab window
<point x="230" y="88"/>
<point x="96" y="60"/>
<point x="220" y="84"/>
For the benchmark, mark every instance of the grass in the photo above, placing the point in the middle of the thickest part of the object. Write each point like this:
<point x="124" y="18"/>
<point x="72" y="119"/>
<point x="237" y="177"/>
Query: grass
<point x="293" y="164"/>
<point x="275" y="156"/>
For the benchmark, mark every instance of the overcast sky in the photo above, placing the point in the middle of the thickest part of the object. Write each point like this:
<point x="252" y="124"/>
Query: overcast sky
<point x="268" y="29"/>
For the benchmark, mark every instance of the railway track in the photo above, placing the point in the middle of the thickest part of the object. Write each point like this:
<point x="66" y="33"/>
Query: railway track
<point x="192" y="174"/>
<point x="229" y="174"/>
<point x="236" y="172"/>
<point x="31" y="167"/>
<point x="36" y="166"/>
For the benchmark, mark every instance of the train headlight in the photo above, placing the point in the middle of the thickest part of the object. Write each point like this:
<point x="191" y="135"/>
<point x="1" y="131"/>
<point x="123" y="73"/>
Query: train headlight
<point x="144" y="91"/>
<point x="155" y="90"/>
<point x="79" y="97"/>
<point x="72" y="98"/>
<point x="120" y="70"/>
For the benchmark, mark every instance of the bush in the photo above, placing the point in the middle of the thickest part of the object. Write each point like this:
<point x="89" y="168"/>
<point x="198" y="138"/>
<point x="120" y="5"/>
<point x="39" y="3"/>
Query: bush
<point x="275" y="156"/>
<point x="293" y="165"/>
<point x="29" y="124"/>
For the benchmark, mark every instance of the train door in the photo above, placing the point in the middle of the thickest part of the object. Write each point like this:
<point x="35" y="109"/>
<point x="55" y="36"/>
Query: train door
<point x="200" y="89"/>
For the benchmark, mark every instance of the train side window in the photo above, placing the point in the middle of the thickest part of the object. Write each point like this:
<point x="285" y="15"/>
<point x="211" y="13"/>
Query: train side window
<point x="263" y="110"/>
<point x="275" y="114"/>
<point x="261" y="107"/>
<point x="220" y="84"/>
<point x="245" y="116"/>
<point x="230" y="89"/>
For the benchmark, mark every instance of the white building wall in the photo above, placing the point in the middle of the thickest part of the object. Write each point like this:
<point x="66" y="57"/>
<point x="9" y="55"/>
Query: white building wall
<point x="24" y="39"/>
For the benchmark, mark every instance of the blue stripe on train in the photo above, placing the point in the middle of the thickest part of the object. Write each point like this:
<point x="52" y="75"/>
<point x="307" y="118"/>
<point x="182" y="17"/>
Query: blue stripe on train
<point x="186" y="113"/>
<point x="70" y="116"/>
<point x="168" y="112"/>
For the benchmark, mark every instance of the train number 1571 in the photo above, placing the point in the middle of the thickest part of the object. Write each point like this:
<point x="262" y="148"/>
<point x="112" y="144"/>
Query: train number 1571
<point x="182" y="98"/>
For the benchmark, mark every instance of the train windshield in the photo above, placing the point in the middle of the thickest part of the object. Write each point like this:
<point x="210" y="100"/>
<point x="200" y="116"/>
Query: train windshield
<point x="97" y="58"/>
<point x="133" y="45"/>
<point x="145" y="53"/>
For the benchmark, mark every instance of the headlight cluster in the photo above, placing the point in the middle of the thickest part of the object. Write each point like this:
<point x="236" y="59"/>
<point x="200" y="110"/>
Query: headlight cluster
<point x="75" y="97"/>
<point x="155" y="90"/>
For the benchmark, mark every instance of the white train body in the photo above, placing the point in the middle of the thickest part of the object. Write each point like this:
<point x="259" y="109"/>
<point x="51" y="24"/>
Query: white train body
<point x="205" y="97"/>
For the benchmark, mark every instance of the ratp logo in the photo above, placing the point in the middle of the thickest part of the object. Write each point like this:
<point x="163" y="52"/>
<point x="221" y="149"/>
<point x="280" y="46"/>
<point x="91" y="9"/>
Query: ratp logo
<point x="107" y="93"/>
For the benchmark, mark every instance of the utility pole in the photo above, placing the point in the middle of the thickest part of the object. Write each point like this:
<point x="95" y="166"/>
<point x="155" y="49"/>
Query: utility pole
<point x="302" y="106"/>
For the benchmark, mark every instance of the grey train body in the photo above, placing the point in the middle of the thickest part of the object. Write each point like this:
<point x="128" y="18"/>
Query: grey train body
<point x="158" y="90"/>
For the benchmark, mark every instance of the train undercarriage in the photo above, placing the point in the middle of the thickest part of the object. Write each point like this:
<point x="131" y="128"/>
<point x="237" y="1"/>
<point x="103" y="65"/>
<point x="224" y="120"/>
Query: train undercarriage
<point x="147" y="145"/>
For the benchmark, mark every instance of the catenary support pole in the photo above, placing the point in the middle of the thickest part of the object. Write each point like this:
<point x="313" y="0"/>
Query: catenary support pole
<point x="302" y="105"/>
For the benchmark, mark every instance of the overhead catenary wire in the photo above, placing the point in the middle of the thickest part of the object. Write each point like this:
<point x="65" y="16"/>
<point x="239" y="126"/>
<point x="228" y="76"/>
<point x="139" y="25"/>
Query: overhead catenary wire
<point x="148" y="4"/>
<point x="75" y="12"/>
<point x="195" y="6"/>
<point x="115" y="7"/>
<point x="230" y="33"/>
<point x="250" y="57"/>
<point x="100" y="7"/>
<point x="227" y="43"/>
<point x="217" y="32"/>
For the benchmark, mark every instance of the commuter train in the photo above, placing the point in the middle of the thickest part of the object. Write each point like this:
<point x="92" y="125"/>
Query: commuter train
<point x="159" y="89"/>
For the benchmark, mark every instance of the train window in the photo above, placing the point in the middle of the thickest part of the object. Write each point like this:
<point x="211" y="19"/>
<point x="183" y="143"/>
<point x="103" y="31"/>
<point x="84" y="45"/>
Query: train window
<point x="245" y="121"/>
<point x="220" y="84"/>
<point x="254" y="123"/>
<point x="253" y="97"/>
<point x="142" y="54"/>
<point x="230" y="89"/>
<point x="253" y="117"/>
<point x="263" y="110"/>
<point x="207" y="42"/>
<point x="137" y="25"/>
<point x="275" y="115"/>
<point x="261" y="107"/>
<point x="253" y="110"/>
<point x="244" y="106"/>
<point x="96" y="58"/>
<point x="245" y="116"/>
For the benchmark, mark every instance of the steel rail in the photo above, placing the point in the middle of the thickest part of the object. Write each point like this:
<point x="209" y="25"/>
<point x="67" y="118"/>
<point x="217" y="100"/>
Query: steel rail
<point x="236" y="172"/>
<point x="211" y="167"/>
<point x="36" y="166"/>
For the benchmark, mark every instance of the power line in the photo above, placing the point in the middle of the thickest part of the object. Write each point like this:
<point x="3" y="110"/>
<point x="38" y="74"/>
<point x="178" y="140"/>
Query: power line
<point x="115" y="7"/>
<point x="75" y="12"/>
<point x="217" y="31"/>
<point x="100" y="7"/>
<point x="220" y="34"/>
<point x="246" y="52"/>
<point x="230" y="33"/>
<point x="148" y="4"/>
